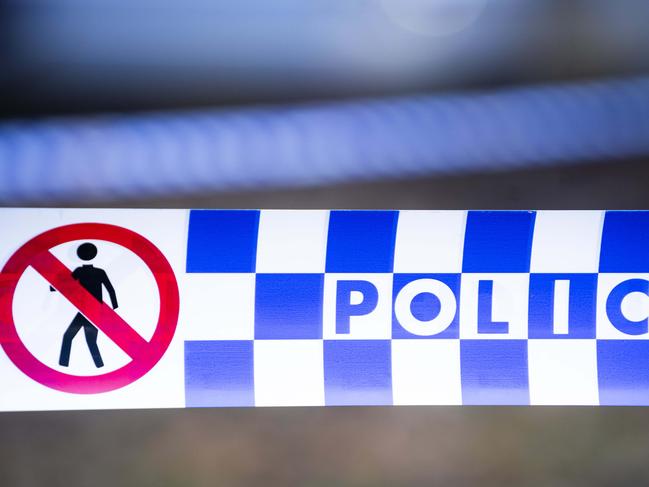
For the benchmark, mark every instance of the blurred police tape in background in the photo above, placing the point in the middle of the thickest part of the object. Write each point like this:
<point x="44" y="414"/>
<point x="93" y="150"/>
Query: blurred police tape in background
<point x="116" y="99"/>
<point x="134" y="156"/>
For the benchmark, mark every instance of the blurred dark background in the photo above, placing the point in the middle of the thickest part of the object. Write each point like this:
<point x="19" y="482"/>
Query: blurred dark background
<point x="76" y="56"/>
<point x="79" y="78"/>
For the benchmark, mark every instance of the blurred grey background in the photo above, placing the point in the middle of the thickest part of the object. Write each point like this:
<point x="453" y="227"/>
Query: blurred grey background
<point x="70" y="70"/>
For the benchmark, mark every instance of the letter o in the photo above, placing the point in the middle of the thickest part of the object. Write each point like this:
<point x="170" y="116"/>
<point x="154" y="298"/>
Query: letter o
<point x="439" y="323"/>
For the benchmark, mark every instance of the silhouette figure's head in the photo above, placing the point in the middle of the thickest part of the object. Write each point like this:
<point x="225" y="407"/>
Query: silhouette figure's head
<point x="87" y="251"/>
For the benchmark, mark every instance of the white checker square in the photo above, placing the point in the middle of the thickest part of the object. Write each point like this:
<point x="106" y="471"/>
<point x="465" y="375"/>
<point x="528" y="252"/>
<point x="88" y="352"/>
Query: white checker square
<point x="563" y="372"/>
<point x="566" y="241"/>
<point x="217" y="306"/>
<point x="509" y="304"/>
<point x="376" y="324"/>
<point x="426" y="372"/>
<point x="429" y="241"/>
<point x="289" y="373"/>
<point x="292" y="241"/>
<point x="634" y="307"/>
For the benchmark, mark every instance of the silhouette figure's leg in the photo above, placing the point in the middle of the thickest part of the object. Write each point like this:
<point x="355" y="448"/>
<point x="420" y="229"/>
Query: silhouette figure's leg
<point x="75" y="326"/>
<point x="91" y="339"/>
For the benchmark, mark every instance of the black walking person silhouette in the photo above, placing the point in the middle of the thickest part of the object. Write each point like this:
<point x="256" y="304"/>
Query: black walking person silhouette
<point x="92" y="279"/>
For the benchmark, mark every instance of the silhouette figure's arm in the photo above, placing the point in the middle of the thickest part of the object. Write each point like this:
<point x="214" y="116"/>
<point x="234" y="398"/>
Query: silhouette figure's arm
<point x="111" y="291"/>
<point x="74" y="276"/>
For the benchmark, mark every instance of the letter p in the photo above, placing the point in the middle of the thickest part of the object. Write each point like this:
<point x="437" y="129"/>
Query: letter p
<point x="353" y="298"/>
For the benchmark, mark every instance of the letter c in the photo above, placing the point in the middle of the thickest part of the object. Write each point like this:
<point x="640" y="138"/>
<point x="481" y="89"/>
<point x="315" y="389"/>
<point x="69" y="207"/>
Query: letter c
<point x="614" y="307"/>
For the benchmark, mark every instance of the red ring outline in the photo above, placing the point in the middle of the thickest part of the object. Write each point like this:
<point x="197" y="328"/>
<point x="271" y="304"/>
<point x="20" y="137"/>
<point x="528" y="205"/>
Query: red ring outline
<point x="135" y="369"/>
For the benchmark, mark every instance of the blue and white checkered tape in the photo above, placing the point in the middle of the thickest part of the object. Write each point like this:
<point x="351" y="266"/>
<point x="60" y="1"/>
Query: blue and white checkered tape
<point x="320" y="308"/>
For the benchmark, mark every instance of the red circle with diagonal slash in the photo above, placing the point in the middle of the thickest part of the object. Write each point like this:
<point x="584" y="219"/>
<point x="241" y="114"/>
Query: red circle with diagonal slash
<point x="144" y="354"/>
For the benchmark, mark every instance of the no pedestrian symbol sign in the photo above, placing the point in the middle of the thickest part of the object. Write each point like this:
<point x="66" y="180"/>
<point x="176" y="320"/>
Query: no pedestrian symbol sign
<point x="144" y="354"/>
<point x="106" y="308"/>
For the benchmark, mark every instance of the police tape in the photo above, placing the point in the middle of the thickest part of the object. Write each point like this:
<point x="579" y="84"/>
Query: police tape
<point x="322" y="143"/>
<point x="210" y="308"/>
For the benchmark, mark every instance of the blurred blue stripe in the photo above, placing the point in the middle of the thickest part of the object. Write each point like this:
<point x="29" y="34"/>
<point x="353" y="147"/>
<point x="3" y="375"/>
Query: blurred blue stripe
<point x="113" y="156"/>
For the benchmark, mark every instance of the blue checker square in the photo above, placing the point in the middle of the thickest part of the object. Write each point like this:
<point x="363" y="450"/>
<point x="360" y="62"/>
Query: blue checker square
<point x="288" y="306"/>
<point x="625" y="240"/>
<point x="582" y="300"/>
<point x="498" y="241"/>
<point x="623" y="372"/>
<point x="426" y="306"/>
<point x="222" y="240"/>
<point x="219" y="373"/>
<point x="494" y="372"/>
<point x="357" y="372"/>
<point x="361" y="241"/>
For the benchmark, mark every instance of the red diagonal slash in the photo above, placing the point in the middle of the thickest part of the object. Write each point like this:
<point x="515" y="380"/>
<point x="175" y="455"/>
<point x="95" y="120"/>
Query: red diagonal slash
<point x="99" y="313"/>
